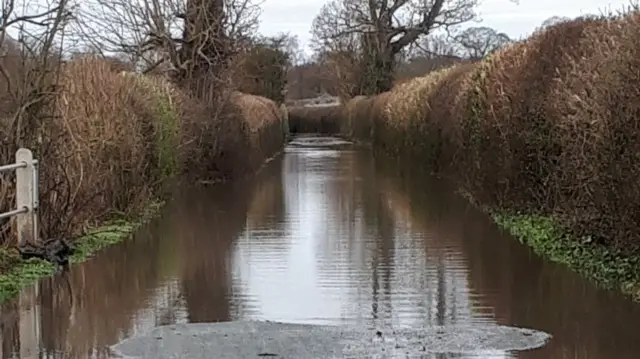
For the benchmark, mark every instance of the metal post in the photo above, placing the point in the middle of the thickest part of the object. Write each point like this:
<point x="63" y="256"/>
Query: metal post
<point x="24" y="197"/>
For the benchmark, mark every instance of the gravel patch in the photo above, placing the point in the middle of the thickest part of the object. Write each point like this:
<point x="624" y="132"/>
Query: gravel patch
<point x="254" y="339"/>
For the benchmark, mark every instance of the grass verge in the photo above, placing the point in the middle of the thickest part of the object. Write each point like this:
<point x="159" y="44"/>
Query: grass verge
<point x="21" y="273"/>
<point x="608" y="267"/>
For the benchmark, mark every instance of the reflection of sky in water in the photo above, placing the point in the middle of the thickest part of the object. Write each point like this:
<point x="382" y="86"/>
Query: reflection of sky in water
<point x="321" y="269"/>
<point x="284" y="284"/>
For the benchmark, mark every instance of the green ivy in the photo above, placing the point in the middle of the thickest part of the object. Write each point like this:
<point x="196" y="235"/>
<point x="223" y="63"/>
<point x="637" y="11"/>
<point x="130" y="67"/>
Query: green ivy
<point x="23" y="273"/>
<point x="608" y="267"/>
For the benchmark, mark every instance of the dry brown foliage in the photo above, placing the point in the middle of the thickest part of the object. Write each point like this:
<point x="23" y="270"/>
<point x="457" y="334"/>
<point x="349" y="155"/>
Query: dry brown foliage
<point x="94" y="150"/>
<point x="357" y="121"/>
<point x="513" y="129"/>
<point x="310" y="80"/>
<point x="598" y="163"/>
<point x="316" y="119"/>
<point x="442" y="132"/>
<point x="421" y="66"/>
<point x="406" y="112"/>
<point x="229" y="138"/>
<point x="114" y="139"/>
<point x="263" y="119"/>
<point x="101" y="147"/>
<point x="543" y="126"/>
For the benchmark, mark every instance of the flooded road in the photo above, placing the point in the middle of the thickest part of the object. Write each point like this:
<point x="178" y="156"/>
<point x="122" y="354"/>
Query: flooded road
<point x="325" y="234"/>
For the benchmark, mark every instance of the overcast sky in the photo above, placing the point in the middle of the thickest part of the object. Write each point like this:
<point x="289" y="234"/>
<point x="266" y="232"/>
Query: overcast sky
<point x="516" y="20"/>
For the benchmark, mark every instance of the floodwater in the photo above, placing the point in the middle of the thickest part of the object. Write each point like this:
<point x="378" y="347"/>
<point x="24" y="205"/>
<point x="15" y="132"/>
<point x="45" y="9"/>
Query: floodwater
<point x="325" y="234"/>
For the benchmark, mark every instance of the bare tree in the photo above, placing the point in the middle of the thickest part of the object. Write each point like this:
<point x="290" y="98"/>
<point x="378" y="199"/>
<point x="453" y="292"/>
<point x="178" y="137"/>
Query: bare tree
<point x="436" y="46"/>
<point x="552" y="21"/>
<point x="342" y="64"/>
<point x="191" y="39"/>
<point x="262" y="70"/>
<point x="430" y="53"/>
<point x="27" y="62"/>
<point x="31" y="39"/>
<point x="381" y="29"/>
<point x="478" y="42"/>
<point x="310" y="79"/>
<point x="287" y="43"/>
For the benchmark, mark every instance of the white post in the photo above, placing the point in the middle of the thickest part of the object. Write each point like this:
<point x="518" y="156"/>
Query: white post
<point x="24" y="197"/>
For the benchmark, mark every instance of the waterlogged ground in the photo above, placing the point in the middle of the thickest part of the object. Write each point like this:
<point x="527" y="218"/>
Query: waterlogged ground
<point x="376" y="256"/>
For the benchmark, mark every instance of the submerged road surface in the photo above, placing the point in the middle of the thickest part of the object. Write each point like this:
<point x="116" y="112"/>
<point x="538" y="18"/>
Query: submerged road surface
<point x="327" y="253"/>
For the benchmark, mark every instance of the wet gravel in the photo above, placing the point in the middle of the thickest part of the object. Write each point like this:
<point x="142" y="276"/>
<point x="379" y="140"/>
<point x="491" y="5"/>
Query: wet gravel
<point x="253" y="339"/>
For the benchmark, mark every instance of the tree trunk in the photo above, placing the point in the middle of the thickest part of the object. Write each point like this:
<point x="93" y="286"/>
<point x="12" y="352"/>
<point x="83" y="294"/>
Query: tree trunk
<point x="377" y="76"/>
<point x="205" y="47"/>
<point x="377" y="66"/>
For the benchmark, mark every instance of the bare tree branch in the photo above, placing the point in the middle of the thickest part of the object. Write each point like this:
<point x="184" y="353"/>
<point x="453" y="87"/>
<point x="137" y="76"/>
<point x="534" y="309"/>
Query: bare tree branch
<point x="552" y="21"/>
<point x="31" y="41"/>
<point x="152" y="32"/>
<point x="478" y="42"/>
<point x="380" y="30"/>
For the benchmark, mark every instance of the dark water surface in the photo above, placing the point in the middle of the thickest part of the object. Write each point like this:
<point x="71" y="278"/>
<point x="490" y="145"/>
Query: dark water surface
<point x="323" y="235"/>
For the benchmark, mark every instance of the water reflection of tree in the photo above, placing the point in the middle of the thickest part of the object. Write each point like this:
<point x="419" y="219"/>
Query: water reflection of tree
<point x="9" y="330"/>
<point x="420" y="206"/>
<point x="267" y="204"/>
<point x="103" y="300"/>
<point x="89" y="308"/>
<point x="209" y="224"/>
<point x="527" y="291"/>
<point x="106" y="292"/>
<point x="319" y="187"/>
<point x="382" y="258"/>
<point x="341" y="185"/>
<point x="373" y="228"/>
<point x="333" y="184"/>
<point x="513" y="286"/>
<point x="169" y="304"/>
<point x="375" y="239"/>
<point x="265" y="229"/>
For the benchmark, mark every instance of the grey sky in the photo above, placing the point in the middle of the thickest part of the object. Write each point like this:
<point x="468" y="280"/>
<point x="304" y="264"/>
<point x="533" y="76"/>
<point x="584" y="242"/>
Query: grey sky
<point x="516" y="20"/>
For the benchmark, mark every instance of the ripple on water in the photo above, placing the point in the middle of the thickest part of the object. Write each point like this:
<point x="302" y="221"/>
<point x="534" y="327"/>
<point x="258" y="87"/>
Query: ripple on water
<point x="318" y="141"/>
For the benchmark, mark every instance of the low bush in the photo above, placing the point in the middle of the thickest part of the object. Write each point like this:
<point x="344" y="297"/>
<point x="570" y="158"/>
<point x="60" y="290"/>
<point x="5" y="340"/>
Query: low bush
<point x="356" y="118"/>
<point x="113" y="140"/>
<point x="315" y="119"/>
<point x="262" y="124"/>
<point x="98" y="151"/>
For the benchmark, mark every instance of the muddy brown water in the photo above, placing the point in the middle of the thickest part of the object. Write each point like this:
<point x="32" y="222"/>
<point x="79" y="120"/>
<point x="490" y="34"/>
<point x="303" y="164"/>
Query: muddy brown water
<point x="325" y="234"/>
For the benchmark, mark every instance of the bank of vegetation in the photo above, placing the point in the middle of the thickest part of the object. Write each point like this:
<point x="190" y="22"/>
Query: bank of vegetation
<point x="113" y="133"/>
<point x="314" y="118"/>
<point x="541" y="133"/>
